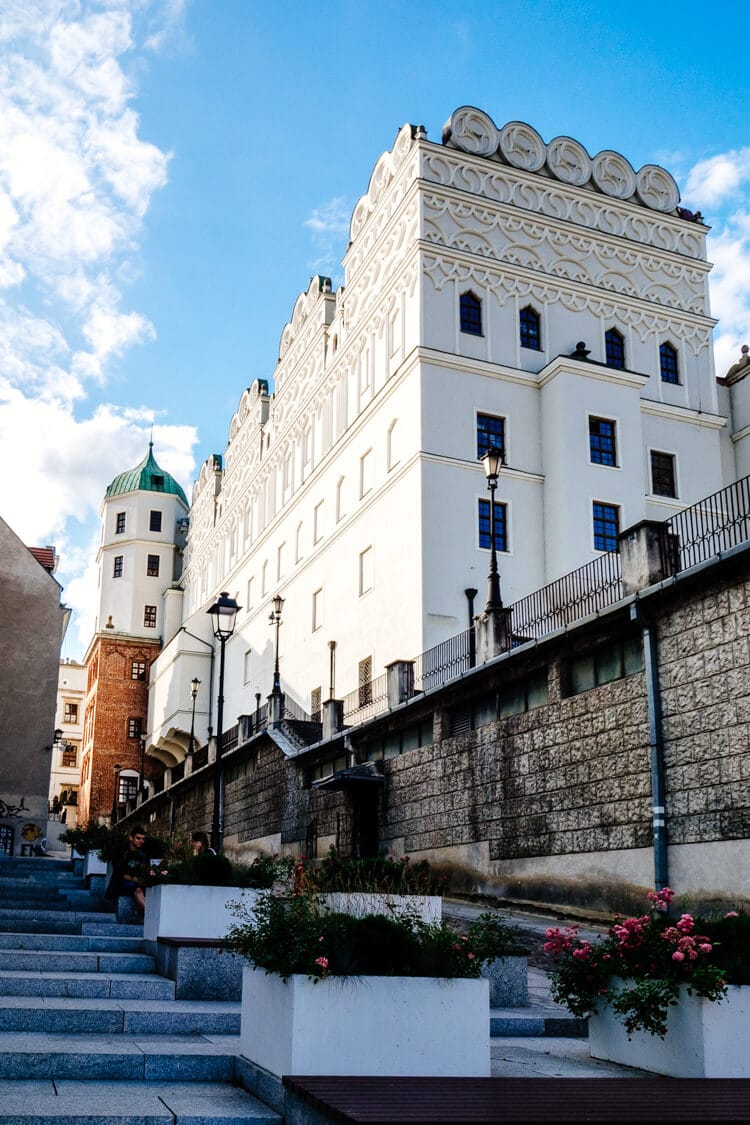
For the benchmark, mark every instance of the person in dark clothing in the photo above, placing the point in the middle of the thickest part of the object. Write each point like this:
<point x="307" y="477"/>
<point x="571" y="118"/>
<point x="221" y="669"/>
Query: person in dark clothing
<point x="126" y="870"/>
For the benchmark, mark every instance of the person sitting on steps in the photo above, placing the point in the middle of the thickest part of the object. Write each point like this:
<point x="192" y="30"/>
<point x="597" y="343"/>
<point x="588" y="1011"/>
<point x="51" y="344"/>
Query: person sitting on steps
<point x="127" y="870"/>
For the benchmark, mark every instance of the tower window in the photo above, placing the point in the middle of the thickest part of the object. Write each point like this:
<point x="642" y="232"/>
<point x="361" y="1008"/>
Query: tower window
<point x="614" y="348"/>
<point x="606" y="520"/>
<point x="470" y="310"/>
<point x="154" y="522"/>
<point x="530" y="328"/>
<point x="602" y="441"/>
<point x="152" y="566"/>
<point x="120" y="523"/>
<point x="138" y="669"/>
<point x="157" y="480"/>
<point x="149" y="616"/>
<point x="135" y="727"/>
<point x="668" y="364"/>
<point x="501" y="523"/>
<point x="69" y="758"/>
<point x="117" y="567"/>
<point x="70" y="713"/>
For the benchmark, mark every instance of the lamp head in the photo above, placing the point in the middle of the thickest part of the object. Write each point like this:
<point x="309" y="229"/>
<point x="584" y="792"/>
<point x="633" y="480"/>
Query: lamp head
<point x="194" y="685"/>
<point x="224" y="614"/>
<point x="493" y="461"/>
<point x="278" y="604"/>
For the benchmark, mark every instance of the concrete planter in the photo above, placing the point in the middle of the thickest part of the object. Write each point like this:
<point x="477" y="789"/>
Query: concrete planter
<point x="704" y="1039"/>
<point x="365" y="1025"/>
<point x="177" y="910"/>
<point x="509" y="981"/>
<point x="359" y="904"/>
<point x="93" y="864"/>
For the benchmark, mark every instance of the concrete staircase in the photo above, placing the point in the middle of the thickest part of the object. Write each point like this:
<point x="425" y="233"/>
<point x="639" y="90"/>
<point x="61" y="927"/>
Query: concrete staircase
<point x="89" y="1033"/>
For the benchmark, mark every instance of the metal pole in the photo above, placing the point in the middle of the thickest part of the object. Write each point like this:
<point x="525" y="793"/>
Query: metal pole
<point x="471" y="593"/>
<point x="332" y="669"/>
<point x="494" y="601"/>
<point x="656" y="744"/>
<point x="276" y="678"/>
<point x="191" y="744"/>
<point x="143" y="763"/>
<point x="217" y="824"/>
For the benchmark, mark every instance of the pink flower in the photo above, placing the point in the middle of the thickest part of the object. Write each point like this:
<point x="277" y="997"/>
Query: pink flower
<point x="470" y="956"/>
<point x="678" y="955"/>
<point x="705" y="947"/>
<point x="731" y="914"/>
<point x="322" y="961"/>
<point x="685" y="923"/>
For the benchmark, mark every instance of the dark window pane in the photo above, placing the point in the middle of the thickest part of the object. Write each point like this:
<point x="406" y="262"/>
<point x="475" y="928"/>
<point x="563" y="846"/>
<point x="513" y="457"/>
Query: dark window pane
<point x="154" y="523"/>
<point x="120" y="527"/>
<point x="530" y="331"/>
<point x="602" y="444"/>
<point x="500" y="525"/>
<point x="614" y="348"/>
<point x="606" y="526"/>
<point x="470" y="309"/>
<point x="152" y="567"/>
<point x="662" y="474"/>
<point x="117" y="568"/>
<point x="490" y="432"/>
<point x="149" y="616"/>
<point x="668" y="364"/>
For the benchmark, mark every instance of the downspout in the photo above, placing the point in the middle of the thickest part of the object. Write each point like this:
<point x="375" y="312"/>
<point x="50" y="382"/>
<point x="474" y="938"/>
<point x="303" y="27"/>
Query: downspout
<point x="656" y="747"/>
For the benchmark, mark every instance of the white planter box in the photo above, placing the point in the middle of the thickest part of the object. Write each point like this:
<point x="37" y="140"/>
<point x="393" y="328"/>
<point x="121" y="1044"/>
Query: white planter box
<point x="359" y="904"/>
<point x="366" y="1025"/>
<point x="93" y="864"/>
<point x="176" y="910"/>
<point x="704" y="1039"/>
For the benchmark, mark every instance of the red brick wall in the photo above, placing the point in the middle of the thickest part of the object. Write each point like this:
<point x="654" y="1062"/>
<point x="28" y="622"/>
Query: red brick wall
<point x="112" y="698"/>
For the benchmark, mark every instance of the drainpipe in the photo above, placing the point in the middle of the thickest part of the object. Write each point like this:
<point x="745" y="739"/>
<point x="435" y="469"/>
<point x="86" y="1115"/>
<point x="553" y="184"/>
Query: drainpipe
<point x="656" y="747"/>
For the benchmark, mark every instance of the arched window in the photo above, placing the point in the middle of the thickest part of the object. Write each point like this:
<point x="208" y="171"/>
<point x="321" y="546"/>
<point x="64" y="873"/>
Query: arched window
<point x="670" y="372"/>
<point x="614" y="348"/>
<point x="471" y="313"/>
<point x="530" y="327"/>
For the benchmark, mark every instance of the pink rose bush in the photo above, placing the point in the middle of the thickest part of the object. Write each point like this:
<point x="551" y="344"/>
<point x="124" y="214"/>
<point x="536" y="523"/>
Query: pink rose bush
<point x="641" y="964"/>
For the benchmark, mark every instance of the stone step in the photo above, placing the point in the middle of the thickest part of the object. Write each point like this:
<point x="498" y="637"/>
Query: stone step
<point x="56" y="962"/>
<point x="35" y="918"/>
<point x="130" y="1103"/>
<point x="112" y="929"/>
<point x="54" y="1015"/>
<point x="72" y="943"/>
<point x="534" y="1021"/>
<point x="108" y="986"/>
<point x="97" y="1058"/>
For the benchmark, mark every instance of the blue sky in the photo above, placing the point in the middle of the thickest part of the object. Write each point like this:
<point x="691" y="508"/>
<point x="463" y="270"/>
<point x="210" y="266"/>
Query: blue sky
<point x="172" y="173"/>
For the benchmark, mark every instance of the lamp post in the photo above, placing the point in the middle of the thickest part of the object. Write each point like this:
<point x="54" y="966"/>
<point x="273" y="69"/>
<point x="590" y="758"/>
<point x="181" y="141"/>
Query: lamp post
<point x="223" y="614"/>
<point x="493" y="460"/>
<point x="275" y="618"/>
<point x="194" y="685"/>
<point x="116" y="795"/>
<point x="142" y="779"/>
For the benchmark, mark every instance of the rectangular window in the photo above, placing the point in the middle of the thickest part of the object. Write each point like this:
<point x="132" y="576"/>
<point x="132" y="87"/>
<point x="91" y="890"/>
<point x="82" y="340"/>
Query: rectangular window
<point x="69" y="759"/>
<point x="280" y="563"/>
<point x="128" y="788"/>
<point x="149" y="616"/>
<point x="117" y="567"/>
<point x="135" y="727"/>
<point x="365" y="571"/>
<point x="501" y="517"/>
<point x="317" y="609"/>
<point x="70" y="713"/>
<point x="264" y="579"/>
<point x="470" y="313"/>
<point x="530" y="329"/>
<point x="663" y="482"/>
<point x="154" y="521"/>
<point x="602" y="441"/>
<point x="138" y="669"/>
<point x="247" y="668"/>
<point x="120" y="523"/>
<point x="365" y="473"/>
<point x="490" y="434"/>
<point x="152" y="566"/>
<point x="606" y="521"/>
<point x="365" y="681"/>
<point x="340" y="511"/>
<point x="668" y="365"/>
<point x="604" y="665"/>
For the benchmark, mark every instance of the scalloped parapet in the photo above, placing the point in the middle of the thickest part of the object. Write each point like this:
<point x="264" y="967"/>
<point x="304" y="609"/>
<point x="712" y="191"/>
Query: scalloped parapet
<point x="472" y="131"/>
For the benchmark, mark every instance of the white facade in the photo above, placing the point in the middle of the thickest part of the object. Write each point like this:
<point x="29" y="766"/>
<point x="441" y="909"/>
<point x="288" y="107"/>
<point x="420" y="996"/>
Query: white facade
<point x="65" y="766"/>
<point x="353" y="490"/>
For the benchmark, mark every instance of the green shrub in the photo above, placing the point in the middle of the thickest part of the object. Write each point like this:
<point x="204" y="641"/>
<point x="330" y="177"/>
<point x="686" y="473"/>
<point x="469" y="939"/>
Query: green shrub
<point x="378" y="875"/>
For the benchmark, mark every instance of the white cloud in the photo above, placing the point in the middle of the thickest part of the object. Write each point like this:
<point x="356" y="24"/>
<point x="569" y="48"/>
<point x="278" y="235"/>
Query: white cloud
<point x="712" y="181"/>
<point x="76" y="181"/>
<point x="329" y="225"/>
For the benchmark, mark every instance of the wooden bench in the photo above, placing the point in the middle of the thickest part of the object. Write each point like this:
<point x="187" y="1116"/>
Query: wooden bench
<point x="476" y="1101"/>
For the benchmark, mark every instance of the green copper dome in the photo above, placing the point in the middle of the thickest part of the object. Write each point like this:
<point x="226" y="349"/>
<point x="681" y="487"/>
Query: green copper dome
<point x="146" y="477"/>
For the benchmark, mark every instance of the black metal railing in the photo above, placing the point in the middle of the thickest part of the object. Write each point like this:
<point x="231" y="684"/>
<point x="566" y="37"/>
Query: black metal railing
<point x="178" y="772"/>
<point x="713" y="525"/>
<point x="443" y="662"/>
<point x="589" y="589"/>
<point x="292" y="710"/>
<point x="366" y="701"/>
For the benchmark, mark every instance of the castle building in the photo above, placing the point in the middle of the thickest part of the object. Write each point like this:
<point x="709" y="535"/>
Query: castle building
<point x="499" y="291"/>
<point x="144" y="521"/>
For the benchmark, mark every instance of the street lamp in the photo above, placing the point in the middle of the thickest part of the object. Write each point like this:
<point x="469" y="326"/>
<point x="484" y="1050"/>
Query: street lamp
<point x="194" y="685"/>
<point x="275" y="618"/>
<point x="493" y="460"/>
<point x="115" y="795"/>
<point x="223" y="614"/>
<point x="143" y="763"/>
